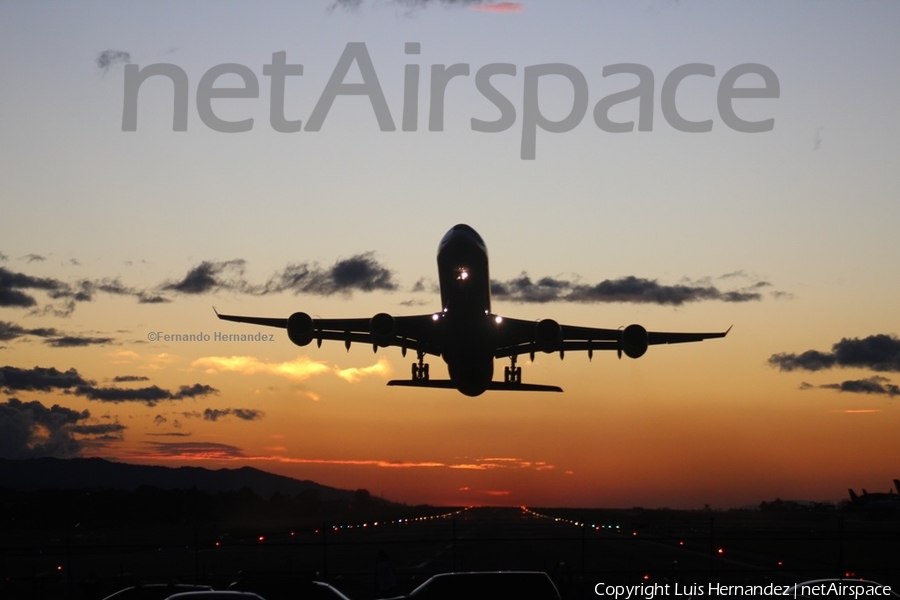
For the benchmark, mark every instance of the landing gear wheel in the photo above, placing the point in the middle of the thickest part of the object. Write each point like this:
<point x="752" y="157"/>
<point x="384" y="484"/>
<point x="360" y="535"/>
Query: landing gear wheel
<point x="512" y="374"/>
<point x="420" y="369"/>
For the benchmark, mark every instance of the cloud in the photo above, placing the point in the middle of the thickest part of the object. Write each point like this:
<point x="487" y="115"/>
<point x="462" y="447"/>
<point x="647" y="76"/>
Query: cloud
<point x="875" y="385"/>
<point x="108" y="58"/>
<point x="31" y="430"/>
<point x="245" y="414"/>
<point x="300" y="368"/>
<point x="34" y="258"/>
<point x="73" y="341"/>
<point x="211" y="276"/>
<point x="129" y="378"/>
<point x="39" y="379"/>
<point x="626" y="289"/>
<point x="193" y="451"/>
<point x="45" y="379"/>
<point x="148" y="395"/>
<point x="382" y="369"/>
<point x="361" y="272"/>
<point x="12" y="284"/>
<point x="876" y="352"/>
<point x="484" y="4"/>
<point x="11" y="331"/>
<point x="500" y="7"/>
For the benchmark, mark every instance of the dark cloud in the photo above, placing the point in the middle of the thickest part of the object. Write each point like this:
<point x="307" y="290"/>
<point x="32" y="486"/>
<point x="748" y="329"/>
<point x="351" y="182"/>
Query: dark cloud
<point x="876" y="352"/>
<point x="30" y="430"/>
<point x="53" y="337"/>
<point x="195" y="450"/>
<point x="129" y="378"/>
<point x="626" y="289"/>
<point x="11" y="331"/>
<point x="108" y="58"/>
<point x="211" y="276"/>
<point x="875" y="385"/>
<point x="39" y="379"/>
<point x="148" y="395"/>
<point x="45" y="379"/>
<point x="34" y="258"/>
<point x="358" y="273"/>
<point x="73" y="341"/>
<point x="12" y="284"/>
<point x="246" y="414"/>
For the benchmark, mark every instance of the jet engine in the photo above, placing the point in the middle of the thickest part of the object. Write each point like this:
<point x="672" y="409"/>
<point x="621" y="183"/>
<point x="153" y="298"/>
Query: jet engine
<point x="300" y="328"/>
<point x="633" y="341"/>
<point x="547" y="333"/>
<point x="381" y="326"/>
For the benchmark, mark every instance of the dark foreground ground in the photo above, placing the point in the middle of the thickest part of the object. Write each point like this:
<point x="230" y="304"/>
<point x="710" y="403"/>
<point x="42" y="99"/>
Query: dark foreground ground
<point x="578" y="548"/>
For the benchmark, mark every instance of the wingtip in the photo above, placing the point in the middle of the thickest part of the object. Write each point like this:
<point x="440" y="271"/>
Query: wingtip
<point x="727" y="330"/>
<point x="215" y="311"/>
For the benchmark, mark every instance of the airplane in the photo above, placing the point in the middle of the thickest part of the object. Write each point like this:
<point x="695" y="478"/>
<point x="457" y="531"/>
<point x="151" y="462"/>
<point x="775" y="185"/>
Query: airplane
<point x="465" y="333"/>
<point x="876" y="500"/>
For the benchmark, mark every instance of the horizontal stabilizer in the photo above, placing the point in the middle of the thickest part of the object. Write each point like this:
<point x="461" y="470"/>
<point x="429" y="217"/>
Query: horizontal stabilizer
<point x="494" y="385"/>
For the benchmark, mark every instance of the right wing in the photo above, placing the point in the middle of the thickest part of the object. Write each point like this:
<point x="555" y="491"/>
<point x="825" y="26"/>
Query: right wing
<point x="518" y="337"/>
<point x="417" y="332"/>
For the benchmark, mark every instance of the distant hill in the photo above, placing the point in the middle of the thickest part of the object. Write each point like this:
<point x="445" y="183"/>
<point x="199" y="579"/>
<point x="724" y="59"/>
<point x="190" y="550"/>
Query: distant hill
<point x="96" y="473"/>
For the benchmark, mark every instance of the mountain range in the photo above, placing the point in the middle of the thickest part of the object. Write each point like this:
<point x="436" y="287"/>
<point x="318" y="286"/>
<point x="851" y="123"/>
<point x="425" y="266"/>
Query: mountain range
<point x="97" y="473"/>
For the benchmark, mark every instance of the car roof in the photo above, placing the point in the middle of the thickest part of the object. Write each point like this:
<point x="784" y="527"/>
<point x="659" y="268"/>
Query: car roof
<point x="489" y="584"/>
<point x="154" y="591"/>
<point x="215" y="595"/>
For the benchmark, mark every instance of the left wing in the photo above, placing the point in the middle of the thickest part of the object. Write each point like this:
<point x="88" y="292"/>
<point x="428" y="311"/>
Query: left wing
<point x="516" y="337"/>
<point x="417" y="332"/>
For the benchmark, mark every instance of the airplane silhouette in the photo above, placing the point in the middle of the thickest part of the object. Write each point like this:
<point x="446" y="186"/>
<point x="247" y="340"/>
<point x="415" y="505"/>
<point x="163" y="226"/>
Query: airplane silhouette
<point x="465" y="333"/>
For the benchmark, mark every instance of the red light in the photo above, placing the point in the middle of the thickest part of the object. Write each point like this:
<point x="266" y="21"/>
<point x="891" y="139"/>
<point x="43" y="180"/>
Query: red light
<point x="681" y="543"/>
<point x="780" y="563"/>
<point x="262" y="538"/>
<point x="634" y="534"/>
<point x="646" y="577"/>
<point x="721" y="551"/>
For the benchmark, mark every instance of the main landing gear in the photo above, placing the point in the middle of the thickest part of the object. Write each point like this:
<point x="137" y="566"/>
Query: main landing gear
<point x="512" y="373"/>
<point x="420" y="369"/>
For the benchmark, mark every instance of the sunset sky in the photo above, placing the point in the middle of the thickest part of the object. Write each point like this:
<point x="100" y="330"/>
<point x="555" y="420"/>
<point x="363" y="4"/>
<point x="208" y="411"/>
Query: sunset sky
<point x="109" y="237"/>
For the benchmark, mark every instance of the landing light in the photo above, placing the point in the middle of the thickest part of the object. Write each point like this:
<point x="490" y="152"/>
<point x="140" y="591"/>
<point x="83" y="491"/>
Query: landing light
<point x="498" y="319"/>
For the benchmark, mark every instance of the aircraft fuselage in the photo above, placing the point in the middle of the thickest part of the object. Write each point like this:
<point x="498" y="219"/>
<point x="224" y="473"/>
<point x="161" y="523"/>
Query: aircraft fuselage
<point x="466" y="320"/>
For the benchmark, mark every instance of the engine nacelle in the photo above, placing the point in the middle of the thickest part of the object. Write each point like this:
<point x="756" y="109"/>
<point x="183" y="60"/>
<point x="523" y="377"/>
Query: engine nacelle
<point x="300" y="328"/>
<point x="381" y="326"/>
<point x="547" y="333"/>
<point x="633" y="341"/>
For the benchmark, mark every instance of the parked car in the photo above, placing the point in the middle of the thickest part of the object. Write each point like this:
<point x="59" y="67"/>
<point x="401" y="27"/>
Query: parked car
<point x="486" y="585"/>
<point x="154" y="591"/>
<point x="286" y="586"/>
<point x="216" y="595"/>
